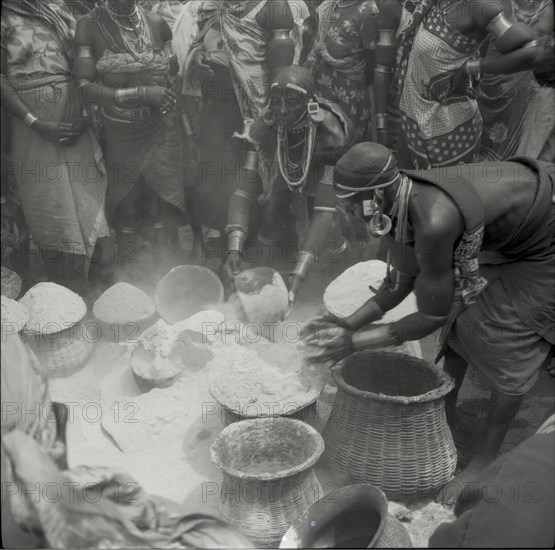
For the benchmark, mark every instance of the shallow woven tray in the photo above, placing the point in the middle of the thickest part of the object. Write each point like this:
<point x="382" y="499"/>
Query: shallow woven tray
<point x="262" y="505"/>
<point x="186" y="290"/>
<point x="388" y="427"/>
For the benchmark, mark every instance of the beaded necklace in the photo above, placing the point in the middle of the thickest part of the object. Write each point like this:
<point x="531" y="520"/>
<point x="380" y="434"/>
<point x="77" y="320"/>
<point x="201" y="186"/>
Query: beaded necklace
<point x="295" y="172"/>
<point x="136" y="35"/>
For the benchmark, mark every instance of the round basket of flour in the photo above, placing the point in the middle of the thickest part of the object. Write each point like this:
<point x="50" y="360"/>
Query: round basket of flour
<point x="186" y="290"/>
<point x="356" y="285"/>
<point x="262" y="294"/>
<point x="123" y="312"/>
<point x="14" y="316"/>
<point x="56" y="331"/>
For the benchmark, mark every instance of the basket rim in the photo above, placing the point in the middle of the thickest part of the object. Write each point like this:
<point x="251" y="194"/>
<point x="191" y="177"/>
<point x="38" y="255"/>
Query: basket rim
<point x="446" y="383"/>
<point x="242" y="425"/>
<point x="315" y="396"/>
<point x="197" y="268"/>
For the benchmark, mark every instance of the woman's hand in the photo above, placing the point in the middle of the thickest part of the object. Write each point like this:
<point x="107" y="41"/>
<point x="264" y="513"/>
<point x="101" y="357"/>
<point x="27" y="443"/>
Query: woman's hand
<point x="64" y="133"/>
<point x="160" y="97"/>
<point x="329" y="343"/>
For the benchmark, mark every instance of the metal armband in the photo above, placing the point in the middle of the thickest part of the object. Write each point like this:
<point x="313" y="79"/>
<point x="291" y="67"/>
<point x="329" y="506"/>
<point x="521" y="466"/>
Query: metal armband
<point x="84" y="52"/>
<point x="499" y="25"/>
<point x="303" y="264"/>
<point x="126" y="95"/>
<point x="386" y="37"/>
<point x="235" y="240"/>
<point x="383" y="69"/>
<point x="531" y="44"/>
<point x="251" y="161"/>
<point x="281" y="34"/>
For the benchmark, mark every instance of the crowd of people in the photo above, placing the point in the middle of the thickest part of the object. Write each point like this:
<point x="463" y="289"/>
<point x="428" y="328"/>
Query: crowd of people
<point x="120" y="112"/>
<point x="429" y="123"/>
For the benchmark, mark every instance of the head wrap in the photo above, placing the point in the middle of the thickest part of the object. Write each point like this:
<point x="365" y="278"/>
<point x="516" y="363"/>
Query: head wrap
<point x="365" y="167"/>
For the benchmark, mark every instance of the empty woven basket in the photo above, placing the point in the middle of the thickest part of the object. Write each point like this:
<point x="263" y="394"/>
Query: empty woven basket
<point x="268" y="475"/>
<point x="388" y="427"/>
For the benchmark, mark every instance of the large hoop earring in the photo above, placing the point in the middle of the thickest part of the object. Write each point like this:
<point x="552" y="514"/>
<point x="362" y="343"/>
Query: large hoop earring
<point x="379" y="225"/>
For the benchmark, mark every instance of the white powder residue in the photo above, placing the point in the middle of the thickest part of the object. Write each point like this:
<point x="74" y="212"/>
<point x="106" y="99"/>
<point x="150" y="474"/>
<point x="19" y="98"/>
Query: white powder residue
<point x="263" y="375"/>
<point x="123" y="303"/>
<point x="14" y="314"/>
<point x="52" y="308"/>
<point x="350" y="291"/>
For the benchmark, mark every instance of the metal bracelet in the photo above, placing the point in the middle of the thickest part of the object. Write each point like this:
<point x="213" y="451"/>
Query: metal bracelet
<point x="473" y="67"/>
<point x="303" y="264"/>
<point x="126" y="95"/>
<point x="235" y="240"/>
<point x="499" y="25"/>
<point x="381" y="121"/>
<point x="386" y="37"/>
<point x="281" y="34"/>
<point x="383" y="69"/>
<point x="251" y="160"/>
<point x="84" y="51"/>
<point x="29" y="119"/>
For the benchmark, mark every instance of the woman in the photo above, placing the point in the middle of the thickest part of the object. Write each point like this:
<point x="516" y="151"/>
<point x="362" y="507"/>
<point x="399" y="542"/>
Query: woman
<point x="237" y="46"/>
<point x="343" y="58"/>
<point x="124" y="65"/>
<point x="439" y="115"/>
<point x="517" y="113"/>
<point x="54" y="156"/>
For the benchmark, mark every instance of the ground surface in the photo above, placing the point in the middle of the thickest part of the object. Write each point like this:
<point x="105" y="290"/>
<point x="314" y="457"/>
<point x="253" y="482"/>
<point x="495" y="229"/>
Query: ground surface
<point x="163" y="438"/>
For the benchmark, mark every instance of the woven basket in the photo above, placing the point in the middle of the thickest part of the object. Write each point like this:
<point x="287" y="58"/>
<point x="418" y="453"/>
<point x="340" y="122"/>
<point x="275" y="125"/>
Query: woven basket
<point x="62" y="353"/>
<point x="146" y="383"/>
<point x="268" y="475"/>
<point x="307" y="413"/>
<point x="186" y="290"/>
<point x="388" y="427"/>
<point x="354" y="516"/>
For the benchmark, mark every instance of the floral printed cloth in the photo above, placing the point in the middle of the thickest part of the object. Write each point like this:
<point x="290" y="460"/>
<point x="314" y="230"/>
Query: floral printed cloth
<point x="347" y="30"/>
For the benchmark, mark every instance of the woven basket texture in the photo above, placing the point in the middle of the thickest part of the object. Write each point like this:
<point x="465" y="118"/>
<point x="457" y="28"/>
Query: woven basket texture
<point x="63" y="353"/>
<point x="186" y="290"/>
<point x="268" y="475"/>
<point x="306" y="414"/>
<point x="388" y="426"/>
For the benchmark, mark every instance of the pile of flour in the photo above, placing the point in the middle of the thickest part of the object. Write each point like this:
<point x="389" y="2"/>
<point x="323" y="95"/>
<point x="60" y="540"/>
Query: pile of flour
<point x="164" y="350"/>
<point x="52" y="308"/>
<point x="350" y="291"/>
<point x="14" y="314"/>
<point x="263" y="377"/>
<point x="123" y="303"/>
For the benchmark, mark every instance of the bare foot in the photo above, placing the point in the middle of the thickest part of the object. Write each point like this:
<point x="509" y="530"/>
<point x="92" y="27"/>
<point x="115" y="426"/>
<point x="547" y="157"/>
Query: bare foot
<point x="464" y="481"/>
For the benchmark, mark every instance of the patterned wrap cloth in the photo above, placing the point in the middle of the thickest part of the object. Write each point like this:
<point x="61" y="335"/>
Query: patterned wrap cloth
<point x="517" y="112"/>
<point x="244" y="42"/>
<point x="148" y="149"/>
<point x="440" y="128"/>
<point x="61" y="188"/>
<point x="352" y="29"/>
